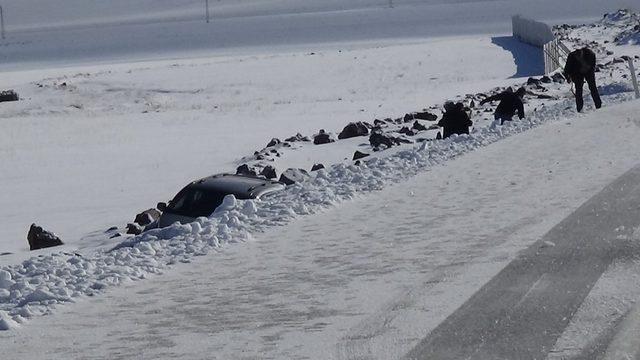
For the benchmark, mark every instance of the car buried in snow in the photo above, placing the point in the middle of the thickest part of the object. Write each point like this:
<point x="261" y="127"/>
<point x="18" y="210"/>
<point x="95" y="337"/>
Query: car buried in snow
<point x="202" y="197"/>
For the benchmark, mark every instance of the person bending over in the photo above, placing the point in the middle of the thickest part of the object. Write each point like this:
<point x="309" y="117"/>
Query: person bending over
<point x="510" y="103"/>
<point x="581" y="66"/>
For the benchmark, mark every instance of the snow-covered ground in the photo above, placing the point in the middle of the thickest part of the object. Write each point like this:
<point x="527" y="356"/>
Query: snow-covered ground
<point x="90" y="146"/>
<point x="93" y="142"/>
<point x="115" y="140"/>
<point x="369" y="278"/>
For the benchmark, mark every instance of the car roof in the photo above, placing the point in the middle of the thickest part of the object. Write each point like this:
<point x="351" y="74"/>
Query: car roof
<point x="240" y="185"/>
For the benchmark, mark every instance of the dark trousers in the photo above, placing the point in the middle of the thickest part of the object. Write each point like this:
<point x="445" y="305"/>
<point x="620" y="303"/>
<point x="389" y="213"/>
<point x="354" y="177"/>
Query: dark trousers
<point x="591" y="81"/>
<point x="503" y="117"/>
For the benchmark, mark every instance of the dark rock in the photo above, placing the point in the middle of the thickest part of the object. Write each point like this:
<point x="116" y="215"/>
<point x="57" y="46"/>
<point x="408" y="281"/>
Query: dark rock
<point x="354" y="130"/>
<point x="323" y="138"/>
<point x="134" y="229"/>
<point x="8" y="95"/>
<point x="425" y="115"/>
<point x="405" y="130"/>
<point x="545" y="79"/>
<point x="419" y="127"/>
<point x="115" y="235"/>
<point x="533" y="81"/>
<point x="558" y="78"/>
<point x="274" y="142"/>
<point x="408" y="118"/>
<point x="269" y="172"/>
<point x="377" y="122"/>
<point x="292" y="176"/>
<point x="113" y="228"/>
<point x="147" y="217"/>
<point x="246" y="170"/>
<point x="357" y="163"/>
<point x="359" y="155"/>
<point x="297" y="137"/>
<point x="39" y="238"/>
<point x="439" y="136"/>
<point x="376" y="139"/>
<point x="317" y="167"/>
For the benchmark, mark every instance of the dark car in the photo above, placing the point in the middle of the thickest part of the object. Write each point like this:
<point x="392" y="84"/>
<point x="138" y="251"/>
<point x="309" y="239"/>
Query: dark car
<point x="202" y="197"/>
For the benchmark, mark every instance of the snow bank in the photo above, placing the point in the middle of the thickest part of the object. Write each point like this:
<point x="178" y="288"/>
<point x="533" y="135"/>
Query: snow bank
<point x="530" y="31"/>
<point x="37" y="285"/>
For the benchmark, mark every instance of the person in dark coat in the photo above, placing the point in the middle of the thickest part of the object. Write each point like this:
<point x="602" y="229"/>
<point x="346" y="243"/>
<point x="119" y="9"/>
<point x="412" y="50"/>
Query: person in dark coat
<point x="454" y="120"/>
<point x="581" y="66"/>
<point x="510" y="103"/>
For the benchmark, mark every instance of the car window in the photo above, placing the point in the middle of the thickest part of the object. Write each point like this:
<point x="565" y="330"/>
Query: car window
<point x="195" y="202"/>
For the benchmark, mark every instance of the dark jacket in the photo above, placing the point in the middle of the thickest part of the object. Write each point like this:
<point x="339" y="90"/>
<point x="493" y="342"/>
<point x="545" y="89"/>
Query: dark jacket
<point x="510" y="103"/>
<point x="580" y="63"/>
<point x="455" y="121"/>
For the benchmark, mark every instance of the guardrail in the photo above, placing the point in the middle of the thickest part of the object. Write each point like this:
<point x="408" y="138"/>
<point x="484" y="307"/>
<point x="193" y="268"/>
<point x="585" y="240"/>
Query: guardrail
<point x="555" y="55"/>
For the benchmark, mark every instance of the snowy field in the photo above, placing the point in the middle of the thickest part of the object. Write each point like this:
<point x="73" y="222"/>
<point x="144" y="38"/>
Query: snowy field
<point x="120" y="110"/>
<point x="91" y="145"/>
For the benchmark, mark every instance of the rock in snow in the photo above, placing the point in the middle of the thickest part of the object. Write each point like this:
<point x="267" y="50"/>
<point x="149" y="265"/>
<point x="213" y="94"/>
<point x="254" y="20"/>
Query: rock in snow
<point x="39" y="238"/>
<point x="323" y="137"/>
<point x="292" y="176"/>
<point x="273" y="142"/>
<point x="297" y="137"/>
<point x="359" y="155"/>
<point x="353" y="130"/>
<point x="269" y="172"/>
<point x="147" y="217"/>
<point x="246" y="170"/>
<point x="134" y="229"/>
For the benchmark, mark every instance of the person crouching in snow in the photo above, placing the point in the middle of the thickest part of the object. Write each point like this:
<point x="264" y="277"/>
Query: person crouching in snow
<point x="454" y="120"/>
<point x="510" y="103"/>
<point x="581" y="66"/>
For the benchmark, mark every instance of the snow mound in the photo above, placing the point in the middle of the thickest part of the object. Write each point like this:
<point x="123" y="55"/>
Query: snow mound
<point x="6" y="322"/>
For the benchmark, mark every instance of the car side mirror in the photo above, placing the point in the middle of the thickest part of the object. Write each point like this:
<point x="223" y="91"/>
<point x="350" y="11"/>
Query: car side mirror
<point x="161" y="206"/>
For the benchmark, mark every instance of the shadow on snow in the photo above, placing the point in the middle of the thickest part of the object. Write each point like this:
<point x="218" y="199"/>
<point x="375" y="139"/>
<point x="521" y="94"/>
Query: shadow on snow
<point x="528" y="59"/>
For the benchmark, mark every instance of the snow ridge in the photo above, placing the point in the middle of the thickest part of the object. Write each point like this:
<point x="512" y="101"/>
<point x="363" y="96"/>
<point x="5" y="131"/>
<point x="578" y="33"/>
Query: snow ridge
<point x="38" y="285"/>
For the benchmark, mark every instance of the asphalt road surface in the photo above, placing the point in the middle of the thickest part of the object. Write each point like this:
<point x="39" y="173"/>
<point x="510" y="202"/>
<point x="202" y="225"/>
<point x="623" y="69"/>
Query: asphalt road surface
<point x="522" y="311"/>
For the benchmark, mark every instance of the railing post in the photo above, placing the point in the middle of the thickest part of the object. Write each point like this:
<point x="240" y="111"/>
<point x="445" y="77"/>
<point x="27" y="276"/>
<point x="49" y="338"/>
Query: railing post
<point x="206" y="10"/>
<point x="2" y="22"/>
<point x="634" y="79"/>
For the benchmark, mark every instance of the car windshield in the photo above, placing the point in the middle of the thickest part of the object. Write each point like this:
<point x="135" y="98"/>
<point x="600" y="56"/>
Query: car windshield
<point x="195" y="202"/>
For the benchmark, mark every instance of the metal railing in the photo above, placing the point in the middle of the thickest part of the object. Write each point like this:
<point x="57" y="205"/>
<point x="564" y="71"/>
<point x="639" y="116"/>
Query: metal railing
<point x="555" y="55"/>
